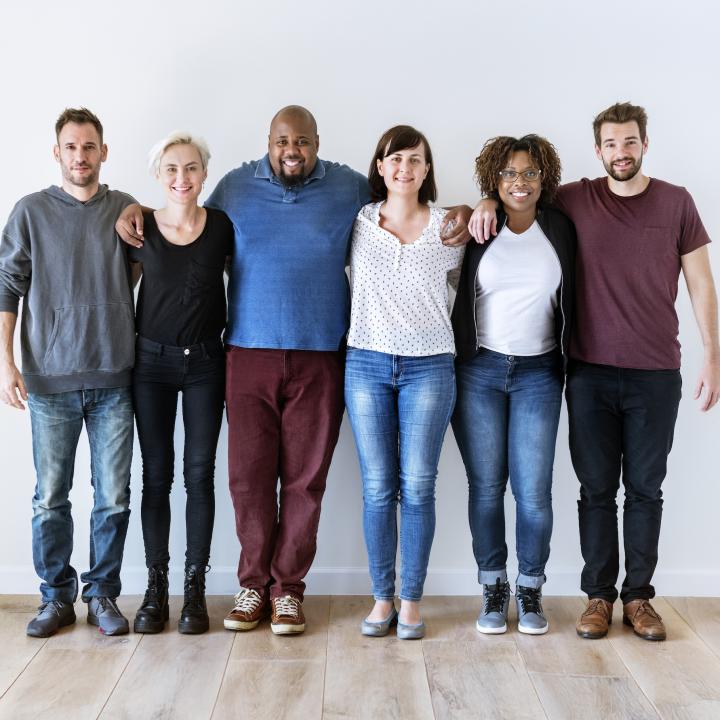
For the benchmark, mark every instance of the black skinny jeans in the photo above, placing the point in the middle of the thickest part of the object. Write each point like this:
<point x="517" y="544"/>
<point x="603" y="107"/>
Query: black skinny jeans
<point x="621" y="421"/>
<point x="161" y="372"/>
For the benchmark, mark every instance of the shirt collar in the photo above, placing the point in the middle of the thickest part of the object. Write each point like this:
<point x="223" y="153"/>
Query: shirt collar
<point x="264" y="170"/>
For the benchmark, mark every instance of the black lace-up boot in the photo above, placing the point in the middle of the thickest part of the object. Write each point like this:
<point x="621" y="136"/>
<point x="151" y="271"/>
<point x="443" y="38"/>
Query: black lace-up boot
<point x="194" y="616"/>
<point x="154" y="611"/>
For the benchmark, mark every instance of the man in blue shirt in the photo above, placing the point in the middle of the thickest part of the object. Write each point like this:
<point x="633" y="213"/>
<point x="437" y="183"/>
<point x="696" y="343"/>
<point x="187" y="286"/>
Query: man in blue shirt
<point x="288" y="310"/>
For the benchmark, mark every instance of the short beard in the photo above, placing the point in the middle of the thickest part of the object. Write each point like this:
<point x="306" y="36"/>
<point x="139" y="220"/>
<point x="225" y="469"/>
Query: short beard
<point x="627" y="175"/>
<point x="291" y="182"/>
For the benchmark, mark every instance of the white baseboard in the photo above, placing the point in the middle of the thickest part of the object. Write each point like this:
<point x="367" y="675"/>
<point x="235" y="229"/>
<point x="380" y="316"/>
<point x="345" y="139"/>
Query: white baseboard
<point x="354" y="581"/>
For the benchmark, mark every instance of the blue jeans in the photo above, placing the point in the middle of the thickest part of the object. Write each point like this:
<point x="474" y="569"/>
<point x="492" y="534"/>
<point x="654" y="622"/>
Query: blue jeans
<point x="505" y="423"/>
<point x="399" y="408"/>
<point x="57" y="420"/>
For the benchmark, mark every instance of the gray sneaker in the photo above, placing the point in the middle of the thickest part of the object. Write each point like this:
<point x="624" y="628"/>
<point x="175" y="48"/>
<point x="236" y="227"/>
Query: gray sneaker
<point x="492" y="619"/>
<point x="104" y="612"/>
<point x="52" y="615"/>
<point x="531" y="619"/>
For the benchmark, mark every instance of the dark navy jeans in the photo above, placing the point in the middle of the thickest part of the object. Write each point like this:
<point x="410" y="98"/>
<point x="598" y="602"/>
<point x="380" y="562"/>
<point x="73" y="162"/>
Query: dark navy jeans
<point x="621" y="423"/>
<point x="161" y="373"/>
<point x="57" y="420"/>
<point x="399" y="408"/>
<point x="505" y="424"/>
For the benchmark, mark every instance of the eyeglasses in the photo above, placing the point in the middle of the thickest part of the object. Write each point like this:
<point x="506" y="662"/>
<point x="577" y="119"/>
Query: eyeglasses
<point x="512" y="175"/>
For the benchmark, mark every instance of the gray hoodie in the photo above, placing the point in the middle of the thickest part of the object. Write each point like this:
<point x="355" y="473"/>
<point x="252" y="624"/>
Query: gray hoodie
<point x="62" y="256"/>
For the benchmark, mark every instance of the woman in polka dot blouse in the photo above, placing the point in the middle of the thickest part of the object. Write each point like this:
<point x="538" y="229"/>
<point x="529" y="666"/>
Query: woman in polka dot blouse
<point x="400" y="379"/>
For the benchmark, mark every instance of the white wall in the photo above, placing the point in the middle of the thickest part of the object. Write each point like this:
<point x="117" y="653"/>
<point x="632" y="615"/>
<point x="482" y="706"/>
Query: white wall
<point x="460" y="71"/>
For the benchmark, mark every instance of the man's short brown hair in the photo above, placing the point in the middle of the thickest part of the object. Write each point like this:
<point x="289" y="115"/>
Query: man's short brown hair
<point x="80" y="116"/>
<point x="621" y="113"/>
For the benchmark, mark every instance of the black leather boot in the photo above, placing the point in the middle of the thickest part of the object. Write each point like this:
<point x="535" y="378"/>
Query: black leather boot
<point x="194" y="616"/>
<point x="154" y="611"/>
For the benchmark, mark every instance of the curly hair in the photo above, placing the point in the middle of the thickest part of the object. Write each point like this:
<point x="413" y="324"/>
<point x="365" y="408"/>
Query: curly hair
<point x="497" y="152"/>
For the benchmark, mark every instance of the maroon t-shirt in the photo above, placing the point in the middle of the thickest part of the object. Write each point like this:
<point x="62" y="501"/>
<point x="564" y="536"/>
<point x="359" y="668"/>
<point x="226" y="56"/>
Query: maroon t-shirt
<point x="628" y="263"/>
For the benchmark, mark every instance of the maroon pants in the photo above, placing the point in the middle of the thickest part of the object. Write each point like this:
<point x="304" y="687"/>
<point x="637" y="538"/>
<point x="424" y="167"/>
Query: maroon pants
<point x="284" y="411"/>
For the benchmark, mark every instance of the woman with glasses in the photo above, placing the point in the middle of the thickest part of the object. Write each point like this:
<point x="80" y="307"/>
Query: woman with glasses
<point x="512" y="319"/>
<point x="399" y="376"/>
<point x="181" y="314"/>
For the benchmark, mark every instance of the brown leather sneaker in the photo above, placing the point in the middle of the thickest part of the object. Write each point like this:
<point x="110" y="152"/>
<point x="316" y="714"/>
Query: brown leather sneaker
<point x="250" y="608"/>
<point x="643" y="619"/>
<point x="287" y="616"/>
<point x="595" y="620"/>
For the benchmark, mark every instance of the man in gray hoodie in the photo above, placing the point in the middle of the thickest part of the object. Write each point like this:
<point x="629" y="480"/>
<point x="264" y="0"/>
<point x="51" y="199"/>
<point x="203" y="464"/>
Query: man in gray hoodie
<point x="60" y="254"/>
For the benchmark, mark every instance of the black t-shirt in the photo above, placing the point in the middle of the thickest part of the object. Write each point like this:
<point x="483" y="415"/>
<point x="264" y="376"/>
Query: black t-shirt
<point x="182" y="293"/>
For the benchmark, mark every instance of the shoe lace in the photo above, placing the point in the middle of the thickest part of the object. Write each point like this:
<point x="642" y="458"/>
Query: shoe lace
<point x="194" y="586"/>
<point x="647" y="609"/>
<point x="106" y="603"/>
<point x="595" y="606"/>
<point x="155" y="577"/>
<point x="529" y="599"/>
<point x="287" y="606"/>
<point x="53" y="605"/>
<point x="247" y="600"/>
<point x="494" y="597"/>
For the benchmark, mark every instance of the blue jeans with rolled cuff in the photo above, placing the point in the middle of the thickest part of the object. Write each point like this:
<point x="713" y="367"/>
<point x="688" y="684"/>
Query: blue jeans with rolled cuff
<point x="505" y="423"/>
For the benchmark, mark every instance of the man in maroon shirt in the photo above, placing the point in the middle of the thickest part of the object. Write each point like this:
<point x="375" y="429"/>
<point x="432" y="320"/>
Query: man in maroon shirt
<point x="635" y="234"/>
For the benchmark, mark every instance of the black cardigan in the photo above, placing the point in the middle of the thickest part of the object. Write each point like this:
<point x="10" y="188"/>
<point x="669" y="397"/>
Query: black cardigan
<point x="561" y="233"/>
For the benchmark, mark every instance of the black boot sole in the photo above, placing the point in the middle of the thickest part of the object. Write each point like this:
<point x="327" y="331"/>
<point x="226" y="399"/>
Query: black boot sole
<point x="146" y="626"/>
<point x="193" y="627"/>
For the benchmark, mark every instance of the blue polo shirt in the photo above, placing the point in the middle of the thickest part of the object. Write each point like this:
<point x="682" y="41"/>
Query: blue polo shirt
<point x="288" y="289"/>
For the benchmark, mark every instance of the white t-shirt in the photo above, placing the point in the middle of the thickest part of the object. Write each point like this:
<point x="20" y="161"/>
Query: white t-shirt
<point x="400" y="302"/>
<point x="516" y="293"/>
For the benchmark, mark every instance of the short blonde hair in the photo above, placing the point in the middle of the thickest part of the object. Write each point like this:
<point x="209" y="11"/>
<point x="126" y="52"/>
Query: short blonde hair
<point x="177" y="137"/>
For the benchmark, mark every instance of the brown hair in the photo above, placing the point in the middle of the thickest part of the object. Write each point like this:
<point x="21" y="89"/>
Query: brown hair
<point x="401" y="137"/>
<point x="497" y="151"/>
<point x="621" y="113"/>
<point x="80" y="116"/>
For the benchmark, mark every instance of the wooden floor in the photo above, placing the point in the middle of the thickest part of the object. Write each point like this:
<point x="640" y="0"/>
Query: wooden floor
<point x="333" y="672"/>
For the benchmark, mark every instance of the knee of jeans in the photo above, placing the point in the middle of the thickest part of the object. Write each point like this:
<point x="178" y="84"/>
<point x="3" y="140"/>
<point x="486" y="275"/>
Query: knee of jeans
<point x="379" y="492"/>
<point x="485" y="490"/>
<point x="50" y="499"/>
<point x="112" y="497"/>
<point x="533" y="498"/>
<point x="643" y="495"/>
<point x="200" y="477"/>
<point x="417" y="490"/>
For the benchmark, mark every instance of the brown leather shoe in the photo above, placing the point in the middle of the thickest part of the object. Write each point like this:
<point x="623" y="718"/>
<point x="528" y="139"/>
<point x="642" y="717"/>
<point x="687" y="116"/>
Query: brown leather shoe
<point x="287" y="615"/>
<point x="595" y="620"/>
<point x="643" y="619"/>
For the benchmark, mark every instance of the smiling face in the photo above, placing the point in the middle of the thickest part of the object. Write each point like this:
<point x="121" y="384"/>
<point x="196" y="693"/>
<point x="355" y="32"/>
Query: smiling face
<point x="520" y="194"/>
<point x="293" y="147"/>
<point x="621" y="150"/>
<point x="404" y="171"/>
<point x="181" y="173"/>
<point x="80" y="152"/>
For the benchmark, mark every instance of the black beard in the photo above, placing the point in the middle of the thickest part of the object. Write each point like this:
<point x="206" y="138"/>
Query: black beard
<point x="290" y="182"/>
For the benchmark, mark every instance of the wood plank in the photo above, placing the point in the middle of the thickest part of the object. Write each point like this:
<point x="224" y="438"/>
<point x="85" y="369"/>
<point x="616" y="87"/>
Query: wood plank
<point x="680" y="676"/>
<point x="370" y="677"/>
<point x="75" y="670"/>
<point x="174" y="676"/>
<point x="277" y="676"/>
<point x="17" y="648"/>
<point x="561" y="651"/>
<point x="484" y="678"/>
<point x="586" y="697"/>
<point x="703" y="616"/>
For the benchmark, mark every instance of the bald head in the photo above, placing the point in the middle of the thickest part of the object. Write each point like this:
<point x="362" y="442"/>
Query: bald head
<point x="297" y="113"/>
<point x="293" y="145"/>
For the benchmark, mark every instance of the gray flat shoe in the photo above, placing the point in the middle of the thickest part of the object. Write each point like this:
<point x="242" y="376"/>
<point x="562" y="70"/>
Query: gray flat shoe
<point x="410" y="632"/>
<point x="381" y="627"/>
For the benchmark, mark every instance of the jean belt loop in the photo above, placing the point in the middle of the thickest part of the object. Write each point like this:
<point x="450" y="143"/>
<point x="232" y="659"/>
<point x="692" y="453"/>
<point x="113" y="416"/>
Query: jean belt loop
<point x="205" y="353"/>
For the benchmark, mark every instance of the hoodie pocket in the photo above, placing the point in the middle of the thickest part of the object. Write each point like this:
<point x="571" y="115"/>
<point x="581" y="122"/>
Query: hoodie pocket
<point x="88" y="338"/>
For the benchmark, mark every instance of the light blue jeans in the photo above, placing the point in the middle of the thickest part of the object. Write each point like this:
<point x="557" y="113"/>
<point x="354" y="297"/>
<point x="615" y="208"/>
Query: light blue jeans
<point x="506" y="423"/>
<point x="399" y="408"/>
<point x="57" y="420"/>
